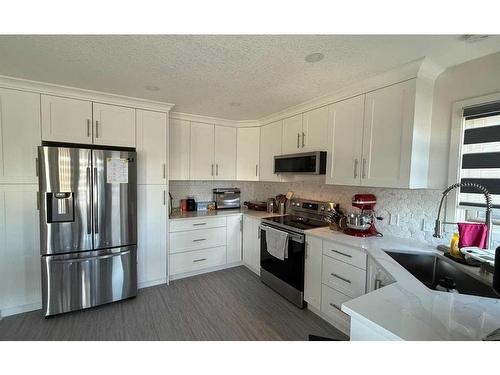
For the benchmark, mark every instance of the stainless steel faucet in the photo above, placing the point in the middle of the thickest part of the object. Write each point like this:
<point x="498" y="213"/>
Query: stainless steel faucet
<point x="438" y="226"/>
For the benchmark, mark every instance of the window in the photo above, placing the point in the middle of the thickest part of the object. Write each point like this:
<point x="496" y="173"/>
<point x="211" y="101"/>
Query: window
<point x="480" y="161"/>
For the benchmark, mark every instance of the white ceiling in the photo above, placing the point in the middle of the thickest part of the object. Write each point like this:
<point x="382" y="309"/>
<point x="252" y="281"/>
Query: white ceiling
<point x="205" y="74"/>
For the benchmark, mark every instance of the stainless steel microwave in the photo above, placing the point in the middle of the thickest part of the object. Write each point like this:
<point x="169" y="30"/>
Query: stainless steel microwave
<point x="303" y="163"/>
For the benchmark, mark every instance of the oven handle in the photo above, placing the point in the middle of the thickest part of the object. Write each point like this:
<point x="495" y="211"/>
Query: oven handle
<point x="293" y="236"/>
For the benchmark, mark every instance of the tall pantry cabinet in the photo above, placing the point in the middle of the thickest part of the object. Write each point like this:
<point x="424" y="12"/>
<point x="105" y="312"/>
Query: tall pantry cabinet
<point x="20" y="130"/>
<point x="152" y="201"/>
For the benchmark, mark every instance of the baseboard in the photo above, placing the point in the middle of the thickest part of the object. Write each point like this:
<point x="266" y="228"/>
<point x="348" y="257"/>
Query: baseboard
<point x="147" y="284"/>
<point x="341" y="326"/>
<point x="20" y="309"/>
<point x="206" y="270"/>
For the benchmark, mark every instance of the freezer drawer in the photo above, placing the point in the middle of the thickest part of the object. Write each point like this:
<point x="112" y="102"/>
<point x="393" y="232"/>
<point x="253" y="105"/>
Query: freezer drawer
<point x="86" y="279"/>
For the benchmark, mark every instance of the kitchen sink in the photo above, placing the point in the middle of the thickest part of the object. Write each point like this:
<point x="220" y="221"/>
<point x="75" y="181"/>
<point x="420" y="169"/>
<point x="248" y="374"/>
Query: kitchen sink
<point x="431" y="268"/>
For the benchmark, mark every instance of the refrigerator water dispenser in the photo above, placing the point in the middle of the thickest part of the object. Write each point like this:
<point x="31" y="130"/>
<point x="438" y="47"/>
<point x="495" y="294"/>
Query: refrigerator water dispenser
<point x="60" y="207"/>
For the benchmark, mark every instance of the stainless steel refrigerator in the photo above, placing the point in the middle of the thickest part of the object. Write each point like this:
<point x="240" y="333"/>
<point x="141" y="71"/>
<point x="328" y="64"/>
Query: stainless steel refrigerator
<point x="88" y="227"/>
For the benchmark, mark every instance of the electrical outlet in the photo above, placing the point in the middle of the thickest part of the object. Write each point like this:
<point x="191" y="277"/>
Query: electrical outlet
<point x="427" y="225"/>
<point x="394" y="219"/>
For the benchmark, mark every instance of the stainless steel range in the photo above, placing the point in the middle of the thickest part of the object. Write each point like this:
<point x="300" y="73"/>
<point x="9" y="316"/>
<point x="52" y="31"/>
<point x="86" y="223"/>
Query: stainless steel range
<point x="287" y="276"/>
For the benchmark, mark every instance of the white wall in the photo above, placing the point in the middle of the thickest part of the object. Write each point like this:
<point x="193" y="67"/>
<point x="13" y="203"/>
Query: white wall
<point x="472" y="79"/>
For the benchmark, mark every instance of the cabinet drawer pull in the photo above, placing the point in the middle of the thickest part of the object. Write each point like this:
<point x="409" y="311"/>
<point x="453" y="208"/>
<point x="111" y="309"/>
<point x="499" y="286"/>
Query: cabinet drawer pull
<point x="199" y="224"/>
<point x="341" y="253"/>
<point x="199" y="260"/>
<point x="335" y="306"/>
<point x="341" y="278"/>
<point x="200" y="239"/>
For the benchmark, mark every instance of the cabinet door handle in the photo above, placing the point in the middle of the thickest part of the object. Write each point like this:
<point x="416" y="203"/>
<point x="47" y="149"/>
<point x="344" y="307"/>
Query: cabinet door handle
<point x="38" y="201"/>
<point x="212" y="170"/>
<point x="363" y="173"/>
<point x="36" y="167"/>
<point x="217" y="169"/>
<point x="256" y="170"/>
<point x="341" y="278"/>
<point x="88" y="127"/>
<point x="303" y="139"/>
<point x="378" y="284"/>
<point x="341" y="253"/>
<point x="335" y="306"/>
<point x="356" y="162"/>
<point x="96" y="129"/>
<point x="298" y="140"/>
<point x="200" y="239"/>
<point x="164" y="171"/>
<point x="164" y="197"/>
<point x="199" y="260"/>
<point x="200" y="224"/>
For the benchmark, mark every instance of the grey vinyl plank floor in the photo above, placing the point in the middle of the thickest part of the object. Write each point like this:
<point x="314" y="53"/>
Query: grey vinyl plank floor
<point x="231" y="304"/>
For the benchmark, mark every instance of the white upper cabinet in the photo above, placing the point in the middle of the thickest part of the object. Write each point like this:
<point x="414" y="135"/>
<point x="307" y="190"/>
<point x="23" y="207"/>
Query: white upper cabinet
<point x="114" y="125"/>
<point x="345" y="142"/>
<point x="19" y="136"/>
<point x="225" y="153"/>
<point x="179" y="143"/>
<point x="394" y="140"/>
<point x="292" y="134"/>
<point x="270" y="146"/>
<point x="247" y="167"/>
<point x="66" y="120"/>
<point x="387" y="136"/>
<point x="151" y="147"/>
<point x="202" y="151"/>
<point x="315" y="129"/>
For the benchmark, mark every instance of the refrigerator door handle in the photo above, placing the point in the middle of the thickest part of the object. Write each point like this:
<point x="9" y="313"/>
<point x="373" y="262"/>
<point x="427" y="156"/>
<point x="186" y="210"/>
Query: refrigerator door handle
<point x="86" y="259"/>
<point x="89" y="213"/>
<point x="96" y="203"/>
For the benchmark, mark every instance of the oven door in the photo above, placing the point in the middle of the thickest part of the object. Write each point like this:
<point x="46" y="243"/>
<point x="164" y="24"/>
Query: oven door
<point x="289" y="270"/>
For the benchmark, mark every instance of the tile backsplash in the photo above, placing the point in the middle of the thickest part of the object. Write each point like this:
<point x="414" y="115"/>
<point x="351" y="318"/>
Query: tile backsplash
<point x="414" y="207"/>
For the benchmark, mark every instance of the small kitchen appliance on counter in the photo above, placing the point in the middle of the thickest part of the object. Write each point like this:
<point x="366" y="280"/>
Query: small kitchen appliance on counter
<point x="362" y="224"/>
<point x="226" y="198"/>
<point x="256" y="205"/>
<point x="286" y="276"/>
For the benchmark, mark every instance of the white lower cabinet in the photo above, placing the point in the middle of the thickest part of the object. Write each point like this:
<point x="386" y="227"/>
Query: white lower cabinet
<point x="251" y="243"/>
<point x="20" y="288"/>
<point x="312" y="278"/>
<point x="197" y="260"/>
<point x="334" y="274"/>
<point x="199" y="245"/>
<point x="152" y="236"/>
<point x="233" y="234"/>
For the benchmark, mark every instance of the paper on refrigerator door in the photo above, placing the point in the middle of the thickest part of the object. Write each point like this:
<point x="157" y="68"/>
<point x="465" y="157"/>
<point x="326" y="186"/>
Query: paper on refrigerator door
<point x="116" y="171"/>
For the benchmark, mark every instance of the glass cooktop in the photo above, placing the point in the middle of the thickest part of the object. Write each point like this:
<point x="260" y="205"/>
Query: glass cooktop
<point x="297" y="222"/>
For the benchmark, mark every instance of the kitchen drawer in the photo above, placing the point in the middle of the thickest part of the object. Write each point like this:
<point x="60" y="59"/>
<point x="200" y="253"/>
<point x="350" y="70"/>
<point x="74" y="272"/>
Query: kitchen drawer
<point x="331" y="302"/>
<point x="343" y="277"/>
<point x="197" y="260"/>
<point x="197" y="239"/>
<point x="346" y="254"/>
<point x="178" y="225"/>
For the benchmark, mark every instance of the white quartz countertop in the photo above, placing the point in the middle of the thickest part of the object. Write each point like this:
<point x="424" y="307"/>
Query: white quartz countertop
<point x="407" y="309"/>
<point x="228" y="212"/>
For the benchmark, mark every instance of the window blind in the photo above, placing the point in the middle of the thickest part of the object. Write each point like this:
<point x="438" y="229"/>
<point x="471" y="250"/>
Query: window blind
<point x="481" y="154"/>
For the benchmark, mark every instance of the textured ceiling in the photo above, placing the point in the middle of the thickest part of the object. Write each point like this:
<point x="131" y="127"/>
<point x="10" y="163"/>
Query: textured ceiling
<point x="205" y="74"/>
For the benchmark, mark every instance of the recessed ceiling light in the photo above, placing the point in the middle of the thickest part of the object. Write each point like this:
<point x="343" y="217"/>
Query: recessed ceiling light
<point x="152" y="88"/>
<point x="475" y="38"/>
<point x="314" y="57"/>
<point x="234" y="104"/>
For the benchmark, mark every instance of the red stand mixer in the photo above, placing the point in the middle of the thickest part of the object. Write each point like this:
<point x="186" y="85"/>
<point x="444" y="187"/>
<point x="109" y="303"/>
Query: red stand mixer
<point x="362" y="224"/>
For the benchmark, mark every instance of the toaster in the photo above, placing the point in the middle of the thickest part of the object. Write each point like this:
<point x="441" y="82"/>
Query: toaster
<point x="226" y="198"/>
